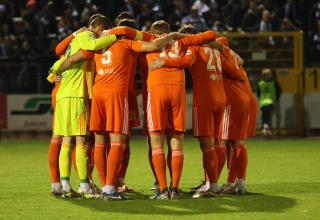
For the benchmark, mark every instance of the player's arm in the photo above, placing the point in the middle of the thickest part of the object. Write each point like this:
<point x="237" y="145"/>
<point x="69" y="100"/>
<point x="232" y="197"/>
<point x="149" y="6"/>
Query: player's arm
<point x="77" y="57"/>
<point x="182" y="62"/>
<point x="90" y="42"/>
<point x="159" y="43"/>
<point x="131" y="33"/>
<point x="63" y="45"/>
<point x="198" y="39"/>
<point x="230" y="66"/>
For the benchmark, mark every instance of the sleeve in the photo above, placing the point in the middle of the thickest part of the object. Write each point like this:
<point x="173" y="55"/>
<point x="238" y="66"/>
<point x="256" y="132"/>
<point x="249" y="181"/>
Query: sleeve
<point x="87" y="54"/>
<point x="135" y="45"/>
<point x="182" y="62"/>
<point x="229" y="67"/>
<point x="90" y="42"/>
<point x="63" y="45"/>
<point x="197" y="39"/>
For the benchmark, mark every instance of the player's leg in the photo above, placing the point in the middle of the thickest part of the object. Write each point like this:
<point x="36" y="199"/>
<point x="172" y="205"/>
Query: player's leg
<point x="117" y="148"/>
<point x="156" y="182"/>
<point x="159" y="164"/>
<point x="53" y="158"/>
<point x="178" y="126"/>
<point x="242" y="163"/>
<point x="100" y="156"/>
<point x="82" y="163"/>
<point x="177" y="159"/>
<point x="122" y="187"/>
<point x="65" y="165"/>
<point x="219" y="145"/>
<point x="157" y="114"/>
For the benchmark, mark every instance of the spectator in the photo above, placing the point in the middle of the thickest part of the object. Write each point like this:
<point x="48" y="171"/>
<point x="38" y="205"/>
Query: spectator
<point x="316" y="40"/>
<point x="145" y="17"/>
<point x="195" y="19"/>
<point x="179" y="12"/>
<point x="315" y="16"/>
<point x="265" y="24"/>
<point x="237" y="12"/>
<point x="269" y="92"/>
<point x="290" y="11"/>
<point x="251" y="19"/>
<point x="287" y="25"/>
<point x="67" y="24"/>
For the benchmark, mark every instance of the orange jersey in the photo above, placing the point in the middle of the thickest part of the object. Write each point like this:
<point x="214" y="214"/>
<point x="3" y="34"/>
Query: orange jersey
<point x="143" y="66"/>
<point x="63" y="45"/>
<point x="54" y="95"/>
<point x="114" y="66"/>
<point x="205" y="64"/>
<point x="233" y="79"/>
<point x="175" y="76"/>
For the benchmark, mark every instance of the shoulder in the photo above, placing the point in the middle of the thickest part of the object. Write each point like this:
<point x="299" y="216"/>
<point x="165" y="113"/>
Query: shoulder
<point x="86" y="34"/>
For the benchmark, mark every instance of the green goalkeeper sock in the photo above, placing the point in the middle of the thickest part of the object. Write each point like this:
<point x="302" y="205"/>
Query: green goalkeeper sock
<point x="82" y="162"/>
<point x="65" y="161"/>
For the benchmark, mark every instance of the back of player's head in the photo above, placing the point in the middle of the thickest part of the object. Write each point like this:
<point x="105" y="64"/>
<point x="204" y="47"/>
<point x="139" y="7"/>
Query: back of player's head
<point x="160" y="27"/>
<point x="93" y="17"/>
<point x="188" y="29"/>
<point x="223" y="40"/>
<point x="124" y="15"/>
<point x="101" y="20"/>
<point x="128" y="22"/>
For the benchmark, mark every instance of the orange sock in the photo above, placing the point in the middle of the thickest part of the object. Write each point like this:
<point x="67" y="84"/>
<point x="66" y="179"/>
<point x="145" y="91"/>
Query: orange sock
<point x="211" y="163"/>
<point x="150" y="160"/>
<point x="169" y="161"/>
<point x="74" y="164"/>
<point x="114" y="161"/>
<point x="232" y="174"/>
<point x="100" y="161"/>
<point x="177" y="167"/>
<point x="221" y="153"/>
<point x="125" y="162"/>
<point x="159" y="164"/>
<point x="53" y="156"/>
<point x="242" y="160"/>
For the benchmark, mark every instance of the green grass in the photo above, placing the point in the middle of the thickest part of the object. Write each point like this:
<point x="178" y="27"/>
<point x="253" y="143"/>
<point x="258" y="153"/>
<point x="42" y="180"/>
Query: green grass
<point x="283" y="181"/>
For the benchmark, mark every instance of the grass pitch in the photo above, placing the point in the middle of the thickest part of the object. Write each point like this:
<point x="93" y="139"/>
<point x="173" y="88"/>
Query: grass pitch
<point x="283" y="181"/>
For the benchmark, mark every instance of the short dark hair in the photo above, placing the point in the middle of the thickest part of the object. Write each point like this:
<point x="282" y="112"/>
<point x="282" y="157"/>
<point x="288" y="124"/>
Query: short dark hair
<point x="128" y="22"/>
<point x="124" y="15"/>
<point x="188" y="29"/>
<point x="101" y="20"/>
<point x="160" y="27"/>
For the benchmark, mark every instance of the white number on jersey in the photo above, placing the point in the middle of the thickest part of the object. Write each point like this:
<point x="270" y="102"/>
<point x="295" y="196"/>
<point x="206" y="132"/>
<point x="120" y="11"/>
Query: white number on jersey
<point x="172" y="54"/>
<point x="106" y="58"/>
<point x="214" y="54"/>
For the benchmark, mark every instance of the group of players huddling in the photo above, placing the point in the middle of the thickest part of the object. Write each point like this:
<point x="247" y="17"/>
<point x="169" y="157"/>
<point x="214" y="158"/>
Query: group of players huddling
<point x="95" y="107"/>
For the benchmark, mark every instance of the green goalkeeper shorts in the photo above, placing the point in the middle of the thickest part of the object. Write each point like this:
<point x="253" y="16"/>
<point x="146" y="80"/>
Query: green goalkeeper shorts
<point x="72" y="117"/>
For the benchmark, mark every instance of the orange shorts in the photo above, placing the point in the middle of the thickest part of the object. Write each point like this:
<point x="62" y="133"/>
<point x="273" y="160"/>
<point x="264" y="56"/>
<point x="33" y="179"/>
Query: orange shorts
<point x="134" y="116"/>
<point x="110" y="112"/>
<point x="235" y="121"/>
<point x="53" y="100"/>
<point x="253" y="116"/>
<point x="166" y="108"/>
<point x="207" y="120"/>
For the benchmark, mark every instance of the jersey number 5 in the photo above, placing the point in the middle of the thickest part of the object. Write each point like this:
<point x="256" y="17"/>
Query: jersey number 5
<point x="106" y="58"/>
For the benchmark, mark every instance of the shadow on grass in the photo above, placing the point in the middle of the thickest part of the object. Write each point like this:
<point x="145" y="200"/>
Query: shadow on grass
<point x="139" y="203"/>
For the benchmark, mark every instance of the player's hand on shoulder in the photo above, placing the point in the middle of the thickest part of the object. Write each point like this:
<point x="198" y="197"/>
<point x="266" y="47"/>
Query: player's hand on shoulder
<point x="176" y="35"/>
<point x="156" y="64"/>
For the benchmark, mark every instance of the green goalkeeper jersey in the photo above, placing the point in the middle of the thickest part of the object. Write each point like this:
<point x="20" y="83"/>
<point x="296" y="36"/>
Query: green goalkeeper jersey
<point x="74" y="81"/>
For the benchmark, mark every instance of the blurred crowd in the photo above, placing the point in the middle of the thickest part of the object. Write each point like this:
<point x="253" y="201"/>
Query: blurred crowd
<point x="30" y="29"/>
